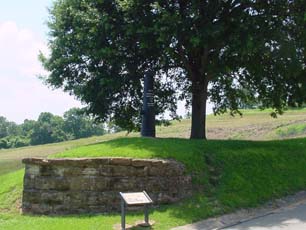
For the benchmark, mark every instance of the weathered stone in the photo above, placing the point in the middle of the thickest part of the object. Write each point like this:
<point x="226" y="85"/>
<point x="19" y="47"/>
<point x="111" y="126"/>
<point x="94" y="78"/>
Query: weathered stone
<point x="32" y="169"/>
<point x="67" y="161"/>
<point x="35" y="161"/>
<point x="29" y="181"/>
<point x="156" y="171"/>
<point x="121" y="170"/>
<point x="123" y="184"/>
<point x="73" y="186"/>
<point x="120" y="161"/>
<point x="71" y="171"/>
<point x="141" y="162"/>
<point x="90" y="171"/>
<point x="46" y="170"/>
<point x="52" y="198"/>
<point x="105" y="170"/>
<point x="155" y="162"/>
<point x="141" y="171"/>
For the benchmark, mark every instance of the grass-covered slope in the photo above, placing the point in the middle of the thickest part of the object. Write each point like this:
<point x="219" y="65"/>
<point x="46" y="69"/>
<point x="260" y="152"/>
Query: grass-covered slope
<point x="10" y="159"/>
<point x="253" y="125"/>
<point x="236" y="173"/>
<point x="229" y="174"/>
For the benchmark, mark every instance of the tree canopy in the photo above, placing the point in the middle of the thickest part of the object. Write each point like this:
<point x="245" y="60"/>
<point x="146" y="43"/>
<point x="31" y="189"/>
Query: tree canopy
<point x="230" y="52"/>
<point x="49" y="128"/>
<point x="79" y="125"/>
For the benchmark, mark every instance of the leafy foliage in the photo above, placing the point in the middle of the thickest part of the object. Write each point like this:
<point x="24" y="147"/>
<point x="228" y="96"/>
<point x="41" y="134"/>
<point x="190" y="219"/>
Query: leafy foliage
<point x="79" y="125"/>
<point x="235" y="174"/>
<point x="231" y="52"/>
<point x="48" y="129"/>
<point x="7" y="128"/>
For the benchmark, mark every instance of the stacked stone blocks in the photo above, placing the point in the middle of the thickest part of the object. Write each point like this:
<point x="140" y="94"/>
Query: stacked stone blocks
<point x="92" y="185"/>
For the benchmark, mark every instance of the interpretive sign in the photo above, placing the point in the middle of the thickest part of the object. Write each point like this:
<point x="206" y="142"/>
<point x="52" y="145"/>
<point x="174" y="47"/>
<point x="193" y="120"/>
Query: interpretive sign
<point x="135" y="198"/>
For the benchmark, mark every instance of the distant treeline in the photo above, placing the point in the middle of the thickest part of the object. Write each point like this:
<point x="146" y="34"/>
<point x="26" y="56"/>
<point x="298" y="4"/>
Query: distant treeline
<point x="48" y="128"/>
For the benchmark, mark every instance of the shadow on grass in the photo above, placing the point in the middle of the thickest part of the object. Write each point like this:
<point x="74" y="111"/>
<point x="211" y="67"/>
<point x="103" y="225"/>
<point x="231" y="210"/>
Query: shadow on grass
<point x="191" y="152"/>
<point x="187" y="211"/>
<point x="245" y="167"/>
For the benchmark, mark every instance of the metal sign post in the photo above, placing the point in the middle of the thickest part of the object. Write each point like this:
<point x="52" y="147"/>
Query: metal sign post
<point x="146" y="215"/>
<point x="136" y="199"/>
<point x="122" y="214"/>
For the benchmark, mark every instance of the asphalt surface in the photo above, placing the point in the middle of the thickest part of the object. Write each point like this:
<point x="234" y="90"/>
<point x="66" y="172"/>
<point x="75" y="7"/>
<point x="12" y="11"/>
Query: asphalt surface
<point x="292" y="218"/>
<point x="288" y="213"/>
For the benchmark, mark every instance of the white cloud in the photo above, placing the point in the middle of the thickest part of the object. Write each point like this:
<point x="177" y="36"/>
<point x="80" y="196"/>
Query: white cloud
<point x="22" y="94"/>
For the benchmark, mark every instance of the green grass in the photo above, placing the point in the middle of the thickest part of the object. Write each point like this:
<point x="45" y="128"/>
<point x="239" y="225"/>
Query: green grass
<point x="187" y="151"/>
<point x="253" y="125"/>
<point x="10" y="159"/>
<point x="230" y="174"/>
<point x="166" y="216"/>
<point x="10" y="192"/>
<point x="243" y="168"/>
<point x="233" y="174"/>
<point x="293" y="130"/>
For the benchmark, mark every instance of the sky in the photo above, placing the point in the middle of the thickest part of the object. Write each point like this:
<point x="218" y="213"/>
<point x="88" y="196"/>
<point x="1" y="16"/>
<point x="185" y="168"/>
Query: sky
<point x="23" y="33"/>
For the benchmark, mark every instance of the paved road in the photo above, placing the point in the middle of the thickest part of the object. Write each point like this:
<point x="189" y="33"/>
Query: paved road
<point x="288" y="213"/>
<point x="291" y="218"/>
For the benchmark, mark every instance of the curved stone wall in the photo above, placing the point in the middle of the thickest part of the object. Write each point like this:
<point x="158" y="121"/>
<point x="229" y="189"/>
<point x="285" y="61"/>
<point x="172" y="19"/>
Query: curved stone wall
<point x="92" y="185"/>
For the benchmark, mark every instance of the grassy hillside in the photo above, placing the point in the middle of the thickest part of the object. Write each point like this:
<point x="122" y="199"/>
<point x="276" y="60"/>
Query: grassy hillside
<point x="253" y="125"/>
<point x="229" y="173"/>
<point x="236" y="171"/>
<point x="10" y="159"/>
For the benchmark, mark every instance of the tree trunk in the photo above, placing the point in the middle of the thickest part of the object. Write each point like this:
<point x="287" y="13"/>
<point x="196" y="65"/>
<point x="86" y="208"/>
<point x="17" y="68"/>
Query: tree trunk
<point x="198" y="118"/>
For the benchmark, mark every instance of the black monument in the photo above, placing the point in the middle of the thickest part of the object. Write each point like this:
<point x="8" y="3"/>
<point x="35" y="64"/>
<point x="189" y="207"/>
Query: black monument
<point x="148" y="113"/>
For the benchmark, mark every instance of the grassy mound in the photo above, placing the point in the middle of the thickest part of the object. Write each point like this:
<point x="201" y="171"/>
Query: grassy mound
<point x="229" y="174"/>
<point x="235" y="173"/>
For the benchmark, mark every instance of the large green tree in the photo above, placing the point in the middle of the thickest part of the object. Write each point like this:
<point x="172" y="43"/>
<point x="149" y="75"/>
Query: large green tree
<point x="79" y="125"/>
<point x="8" y="128"/>
<point x="198" y="49"/>
<point x="48" y="129"/>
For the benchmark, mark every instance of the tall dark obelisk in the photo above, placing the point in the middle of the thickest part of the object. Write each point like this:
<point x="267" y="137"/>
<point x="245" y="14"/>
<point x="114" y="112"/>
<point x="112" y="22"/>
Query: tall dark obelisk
<point x="148" y="113"/>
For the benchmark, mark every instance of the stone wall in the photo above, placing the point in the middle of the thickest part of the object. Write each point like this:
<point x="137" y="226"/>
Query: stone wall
<point x="91" y="185"/>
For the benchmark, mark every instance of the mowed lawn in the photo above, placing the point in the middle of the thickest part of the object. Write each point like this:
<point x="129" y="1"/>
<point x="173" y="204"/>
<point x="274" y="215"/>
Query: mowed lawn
<point x="228" y="174"/>
<point x="253" y="125"/>
<point x="10" y="159"/>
